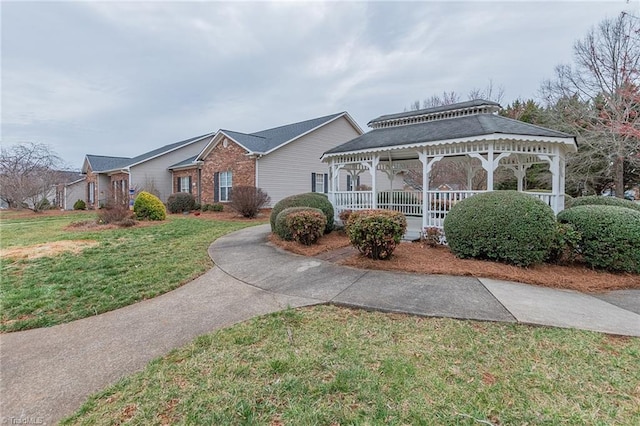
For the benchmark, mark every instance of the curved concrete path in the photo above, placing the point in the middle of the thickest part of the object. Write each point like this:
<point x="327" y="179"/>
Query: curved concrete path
<point x="47" y="373"/>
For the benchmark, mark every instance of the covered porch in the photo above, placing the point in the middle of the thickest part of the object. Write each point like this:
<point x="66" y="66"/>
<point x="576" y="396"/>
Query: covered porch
<point x="470" y="138"/>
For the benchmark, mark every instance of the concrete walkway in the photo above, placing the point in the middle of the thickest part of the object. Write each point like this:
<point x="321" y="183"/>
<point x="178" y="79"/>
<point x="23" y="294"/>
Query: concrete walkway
<point x="47" y="373"/>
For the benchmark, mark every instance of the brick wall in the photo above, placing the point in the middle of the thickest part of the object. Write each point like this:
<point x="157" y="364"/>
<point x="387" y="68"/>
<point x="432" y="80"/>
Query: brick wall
<point x="118" y="191"/>
<point x="91" y="178"/>
<point x="227" y="158"/>
<point x="193" y="173"/>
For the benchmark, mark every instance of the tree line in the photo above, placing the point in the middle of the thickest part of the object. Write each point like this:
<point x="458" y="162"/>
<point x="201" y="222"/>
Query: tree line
<point x="595" y="97"/>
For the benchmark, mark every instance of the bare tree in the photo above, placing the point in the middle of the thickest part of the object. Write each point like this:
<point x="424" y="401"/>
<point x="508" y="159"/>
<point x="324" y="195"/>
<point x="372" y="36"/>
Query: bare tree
<point x="598" y="98"/>
<point x="490" y="93"/>
<point x="28" y="174"/>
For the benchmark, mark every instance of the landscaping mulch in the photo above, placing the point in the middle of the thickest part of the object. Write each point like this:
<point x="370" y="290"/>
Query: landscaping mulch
<point x="418" y="258"/>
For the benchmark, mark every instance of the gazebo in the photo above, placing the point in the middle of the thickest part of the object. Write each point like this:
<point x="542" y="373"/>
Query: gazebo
<point x="471" y="134"/>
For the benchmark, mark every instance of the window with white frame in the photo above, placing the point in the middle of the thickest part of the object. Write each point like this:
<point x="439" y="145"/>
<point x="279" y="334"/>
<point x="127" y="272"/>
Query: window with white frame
<point x="319" y="182"/>
<point x="184" y="184"/>
<point x="226" y="182"/>
<point x="92" y="191"/>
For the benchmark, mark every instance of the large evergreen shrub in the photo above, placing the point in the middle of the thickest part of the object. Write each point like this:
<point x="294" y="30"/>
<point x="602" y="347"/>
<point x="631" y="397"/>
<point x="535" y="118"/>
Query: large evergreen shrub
<point x="609" y="236"/>
<point x="594" y="200"/>
<point x="505" y="226"/>
<point x="80" y="205"/>
<point x="148" y="206"/>
<point x="376" y="233"/>
<point x="179" y="202"/>
<point x="310" y="199"/>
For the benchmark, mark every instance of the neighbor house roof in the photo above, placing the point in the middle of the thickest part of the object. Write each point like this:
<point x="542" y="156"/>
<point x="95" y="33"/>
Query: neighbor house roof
<point x="101" y="163"/>
<point x="444" y="130"/>
<point x="189" y="162"/>
<point x="266" y="141"/>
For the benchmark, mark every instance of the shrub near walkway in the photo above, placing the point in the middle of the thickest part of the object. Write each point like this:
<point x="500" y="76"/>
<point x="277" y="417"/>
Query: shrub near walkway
<point x="124" y="266"/>
<point x="328" y="365"/>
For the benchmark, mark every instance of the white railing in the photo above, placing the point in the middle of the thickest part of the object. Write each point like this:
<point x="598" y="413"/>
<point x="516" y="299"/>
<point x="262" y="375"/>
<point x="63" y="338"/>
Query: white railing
<point x="352" y="200"/>
<point x="407" y="202"/>
<point x="410" y="202"/>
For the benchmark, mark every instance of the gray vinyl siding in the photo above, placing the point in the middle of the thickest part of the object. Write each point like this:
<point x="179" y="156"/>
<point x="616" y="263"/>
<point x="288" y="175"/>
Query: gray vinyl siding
<point x="155" y="171"/>
<point x="287" y="170"/>
<point x="74" y="192"/>
<point x="103" y="188"/>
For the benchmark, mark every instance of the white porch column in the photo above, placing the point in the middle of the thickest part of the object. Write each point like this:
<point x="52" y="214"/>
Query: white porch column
<point x="373" y="168"/>
<point x="554" y="168"/>
<point x="490" y="167"/>
<point x="427" y="164"/>
<point x="562" y="171"/>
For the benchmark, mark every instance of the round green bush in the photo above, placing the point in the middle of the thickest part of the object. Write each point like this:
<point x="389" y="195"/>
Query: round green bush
<point x="148" y="206"/>
<point x="310" y="199"/>
<point x="179" y="202"/>
<point x="376" y="233"/>
<point x="304" y="225"/>
<point x="505" y="226"/>
<point x="610" y="236"/>
<point x="594" y="200"/>
<point x="79" y="205"/>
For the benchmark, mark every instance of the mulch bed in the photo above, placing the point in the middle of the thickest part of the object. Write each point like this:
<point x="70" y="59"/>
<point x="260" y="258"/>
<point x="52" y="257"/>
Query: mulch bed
<point x="419" y="258"/>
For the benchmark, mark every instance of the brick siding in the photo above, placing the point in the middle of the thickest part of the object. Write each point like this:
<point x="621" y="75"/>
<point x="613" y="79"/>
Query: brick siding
<point x="222" y="159"/>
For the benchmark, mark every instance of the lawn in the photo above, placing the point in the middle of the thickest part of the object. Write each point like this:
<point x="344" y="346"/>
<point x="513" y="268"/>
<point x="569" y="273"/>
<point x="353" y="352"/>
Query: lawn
<point x="327" y="365"/>
<point x="97" y="269"/>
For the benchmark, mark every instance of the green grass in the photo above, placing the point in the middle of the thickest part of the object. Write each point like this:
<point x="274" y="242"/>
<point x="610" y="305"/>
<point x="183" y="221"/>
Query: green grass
<point x="328" y="365"/>
<point x="127" y="265"/>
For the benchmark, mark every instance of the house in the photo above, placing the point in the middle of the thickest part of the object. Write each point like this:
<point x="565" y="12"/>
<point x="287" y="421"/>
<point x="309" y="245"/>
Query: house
<point x="470" y="133"/>
<point x="113" y="177"/>
<point x="282" y="161"/>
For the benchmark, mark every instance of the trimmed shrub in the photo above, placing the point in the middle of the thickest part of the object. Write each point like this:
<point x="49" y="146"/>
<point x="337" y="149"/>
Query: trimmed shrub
<point x="179" y="202"/>
<point x="565" y="245"/>
<point x="376" y="233"/>
<point x="197" y="206"/>
<point x="310" y="199"/>
<point x="149" y="207"/>
<point x="344" y="217"/>
<point x="432" y="236"/>
<point x="505" y="226"/>
<point x="217" y="207"/>
<point x="594" y="200"/>
<point x="79" y="205"/>
<point x="301" y="224"/>
<point x="248" y="200"/>
<point x="610" y="236"/>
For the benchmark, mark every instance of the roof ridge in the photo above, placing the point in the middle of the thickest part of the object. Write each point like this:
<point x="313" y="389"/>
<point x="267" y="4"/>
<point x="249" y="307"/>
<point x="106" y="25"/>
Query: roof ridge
<point x="300" y="122"/>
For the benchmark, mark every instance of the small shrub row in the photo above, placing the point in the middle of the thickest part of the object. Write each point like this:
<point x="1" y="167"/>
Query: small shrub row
<point x="376" y="233"/>
<point x="309" y="199"/>
<point x="179" y="202"/>
<point x="216" y="207"/>
<point x="304" y="225"/>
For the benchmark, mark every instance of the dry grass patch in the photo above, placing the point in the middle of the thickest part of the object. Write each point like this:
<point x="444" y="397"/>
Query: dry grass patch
<point x="47" y="249"/>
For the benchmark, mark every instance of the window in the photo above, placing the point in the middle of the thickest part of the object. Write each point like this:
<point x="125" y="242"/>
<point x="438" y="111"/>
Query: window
<point x="226" y="182"/>
<point x="184" y="184"/>
<point x="319" y="182"/>
<point x="92" y="190"/>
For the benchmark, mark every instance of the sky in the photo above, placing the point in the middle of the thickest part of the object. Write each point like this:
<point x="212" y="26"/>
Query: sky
<point x="122" y="78"/>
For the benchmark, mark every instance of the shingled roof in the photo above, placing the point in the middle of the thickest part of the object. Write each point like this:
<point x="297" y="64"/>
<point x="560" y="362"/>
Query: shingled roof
<point x="267" y="140"/>
<point x="102" y="163"/>
<point x="442" y="130"/>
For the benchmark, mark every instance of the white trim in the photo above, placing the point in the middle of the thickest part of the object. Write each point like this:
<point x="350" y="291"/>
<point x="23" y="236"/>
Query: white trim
<point x="215" y="141"/>
<point x="170" y="150"/>
<point x="570" y="142"/>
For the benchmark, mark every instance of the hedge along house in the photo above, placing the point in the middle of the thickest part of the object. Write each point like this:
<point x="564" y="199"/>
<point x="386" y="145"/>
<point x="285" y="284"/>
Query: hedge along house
<point x="471" y="134"/>
<point x="282" y="161"/>
<point x="112" y="177"/>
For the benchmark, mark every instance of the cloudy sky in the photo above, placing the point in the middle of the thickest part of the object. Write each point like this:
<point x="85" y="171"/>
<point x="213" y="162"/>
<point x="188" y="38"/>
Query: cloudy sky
<point x="122" y="78"/>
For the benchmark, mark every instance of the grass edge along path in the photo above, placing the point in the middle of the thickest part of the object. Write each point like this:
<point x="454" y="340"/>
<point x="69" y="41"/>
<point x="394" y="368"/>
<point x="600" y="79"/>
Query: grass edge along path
<point x="333" y="365"/>
<point x="126" y="266"/>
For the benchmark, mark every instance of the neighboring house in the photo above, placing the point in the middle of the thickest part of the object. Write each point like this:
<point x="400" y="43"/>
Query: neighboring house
<point x="113" y="177"/>
<point x="282" y="161"/>
<point x="68" y="193"/>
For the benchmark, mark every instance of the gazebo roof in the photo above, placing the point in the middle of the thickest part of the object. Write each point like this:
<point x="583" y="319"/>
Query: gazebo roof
<point x="475" y="103"/>
<point x="448" y="130"/>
